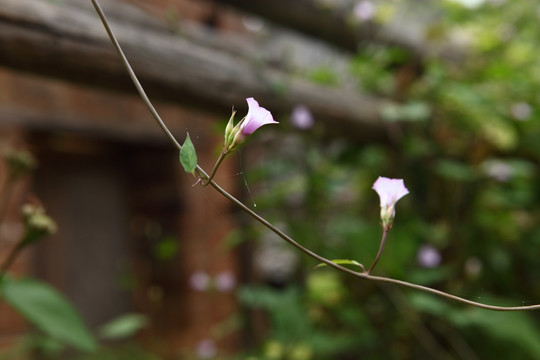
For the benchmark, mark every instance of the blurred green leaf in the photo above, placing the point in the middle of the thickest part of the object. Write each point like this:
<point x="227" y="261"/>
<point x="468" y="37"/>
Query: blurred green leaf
<point x="323" y="76"/>
<point x="454" y="170"/>
<point x="430" y="276"/>
<point x="412" y="111"/>
<point x="511" y="327"/>
<point x="49" y="311"/>
<point x="123" y="327"/>
<point x="326" y="288"/>
<point x="166" y="248"/>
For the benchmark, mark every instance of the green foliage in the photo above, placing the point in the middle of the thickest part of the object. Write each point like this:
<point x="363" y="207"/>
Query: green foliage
<point x="188" y="156"/>
<point x="166" y="248"/>
<point x="123" y="327"/>
<point x="299" y="320"/>
<point x="323" y="76"/>
<point x="125" y="351"/>
<point x="19" y="163"/>
<point x="512" y="330"/>
<point x="464" y="136"/>
<point x="48" y="311"/>
<point x="413" y="111"/>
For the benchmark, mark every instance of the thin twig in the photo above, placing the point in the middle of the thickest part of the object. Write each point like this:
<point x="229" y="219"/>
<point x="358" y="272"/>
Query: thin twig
<point x="133" y="77"/>
<point x="5" y="199"/>
<point x="216" y="166"/>
<point x="13" y="254"/>
<point x="263" y="221"/>
<point x="381" y="247"/>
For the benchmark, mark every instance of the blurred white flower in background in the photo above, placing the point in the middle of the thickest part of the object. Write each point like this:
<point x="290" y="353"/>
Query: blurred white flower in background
<point x="428" y="256"/>
<point x="199" y="281"/>
<point x="521" y="111"/>
<point x="473" y="267"/>
<point x="301" y="117"/>
<point x="364" y="10"/>
<point x="206" y="349"/>
<point x="225" y="281"/>
<point x="498" y="170"/>
<point x="253" y="24"/>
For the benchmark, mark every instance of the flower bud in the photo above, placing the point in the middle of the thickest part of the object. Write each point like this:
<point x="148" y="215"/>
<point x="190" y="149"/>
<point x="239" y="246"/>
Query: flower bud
<point x="37" y="223"/>
<point x="256" y="117"/>
<point x="20" y="162"/>
<point x="229" y="129"/>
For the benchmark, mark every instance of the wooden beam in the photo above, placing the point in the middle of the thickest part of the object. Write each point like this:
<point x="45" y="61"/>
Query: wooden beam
<point x="68" y="41"/>
<point x="333" y="22"/>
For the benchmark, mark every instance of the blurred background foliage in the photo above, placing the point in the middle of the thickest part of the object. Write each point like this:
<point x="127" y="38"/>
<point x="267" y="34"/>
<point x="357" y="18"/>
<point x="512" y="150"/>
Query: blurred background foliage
<point x="464" y="136"/>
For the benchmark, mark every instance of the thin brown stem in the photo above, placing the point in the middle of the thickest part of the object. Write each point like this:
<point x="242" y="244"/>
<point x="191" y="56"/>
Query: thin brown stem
<point x="363" y="275"/>
<point x="13" y="254"/>
<point x="216" y="166"/>
<point x="202" y="174"/>
<point x="133" y="77"/>
<point x="381" y="247"/>
<point x="5" y="198"/>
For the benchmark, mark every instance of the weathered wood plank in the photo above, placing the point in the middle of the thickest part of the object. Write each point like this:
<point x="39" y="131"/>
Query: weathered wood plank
<point x="69" y="42"/>
<point x="334" y="22"/>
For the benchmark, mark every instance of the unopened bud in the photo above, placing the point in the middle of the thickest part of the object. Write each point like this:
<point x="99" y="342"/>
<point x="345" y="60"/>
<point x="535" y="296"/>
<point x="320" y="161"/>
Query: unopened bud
<point x="37" y="223"/>
<point x="229" y="128"/>
<point x="20" y="162"/>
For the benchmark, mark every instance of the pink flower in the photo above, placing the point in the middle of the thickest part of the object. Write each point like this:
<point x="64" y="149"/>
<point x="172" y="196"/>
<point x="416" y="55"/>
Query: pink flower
<point x="364" y="10"/>
<point x="256" y="117"/>
<point x="301" y="117"/>
<point x="199" y="281"/>
<point x="521" y="111"/>
<point x="499" y="170"/>
<point x="225" y="281"/>
<point x="428" y="256"/>
<point x="236" y="134"/>
<point x="390" y="191"/>
<point x="206" y="349"/>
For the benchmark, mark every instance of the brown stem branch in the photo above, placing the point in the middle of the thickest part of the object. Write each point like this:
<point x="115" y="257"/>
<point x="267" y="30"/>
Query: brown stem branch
<point x="214" y="170"/>
<point x="381" y="247"/>
<point x="13" y="254"/>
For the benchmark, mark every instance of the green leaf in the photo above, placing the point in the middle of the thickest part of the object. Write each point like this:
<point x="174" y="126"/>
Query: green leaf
<point x="49" y="311"/>
<point x="123" y="327"/>
<point x="166" y="249"/>
<point x="412" y="111"/>
<point x="455" y="170"/>
<point x="188" y="157"/>
<point x="516" y="328"/>
<point x="342" y="262"/>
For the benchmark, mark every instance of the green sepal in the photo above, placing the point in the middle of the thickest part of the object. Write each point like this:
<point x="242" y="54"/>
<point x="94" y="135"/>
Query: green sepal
<point x="229" y="129"/>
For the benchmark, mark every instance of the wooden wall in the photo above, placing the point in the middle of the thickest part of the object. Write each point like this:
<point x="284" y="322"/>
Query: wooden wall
<point x="114" y="186"/>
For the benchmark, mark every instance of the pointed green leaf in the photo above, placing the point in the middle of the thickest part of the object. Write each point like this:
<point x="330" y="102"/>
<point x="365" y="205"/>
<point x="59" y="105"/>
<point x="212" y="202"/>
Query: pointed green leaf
<point x="49" y="311"/>
<point x="188" y="157"/>
<point x="123" y="327"/>
<point x="342" y="262"/>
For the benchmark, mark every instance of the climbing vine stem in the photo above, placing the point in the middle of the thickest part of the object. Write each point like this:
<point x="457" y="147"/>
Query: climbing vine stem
<point x="203" y="175"/>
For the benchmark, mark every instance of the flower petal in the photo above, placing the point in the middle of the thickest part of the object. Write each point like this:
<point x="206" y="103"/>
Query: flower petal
<point x="256" y="117"/>
<point x="390" y="190"/>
